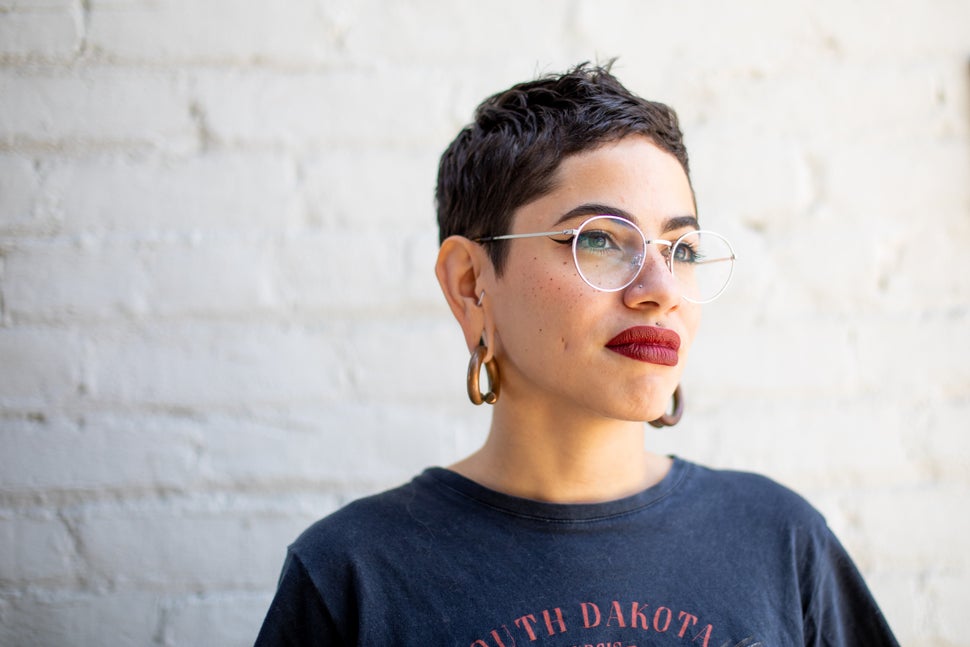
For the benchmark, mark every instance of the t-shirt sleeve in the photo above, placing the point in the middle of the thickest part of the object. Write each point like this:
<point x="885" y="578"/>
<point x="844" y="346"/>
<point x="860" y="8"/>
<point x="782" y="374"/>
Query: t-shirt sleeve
<point x="297" y="615"/>
<point x="841" y="611"/>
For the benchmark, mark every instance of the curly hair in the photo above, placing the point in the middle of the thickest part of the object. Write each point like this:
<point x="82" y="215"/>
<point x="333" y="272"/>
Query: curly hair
<point x="508" y="156"/>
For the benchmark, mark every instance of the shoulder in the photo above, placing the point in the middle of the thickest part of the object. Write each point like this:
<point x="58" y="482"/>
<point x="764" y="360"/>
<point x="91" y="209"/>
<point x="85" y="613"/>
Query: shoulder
<point x="392" y="522"/>
<point x="751" y="497"/>
<point x="336" y="555"/>
<point x="357" y="520"/>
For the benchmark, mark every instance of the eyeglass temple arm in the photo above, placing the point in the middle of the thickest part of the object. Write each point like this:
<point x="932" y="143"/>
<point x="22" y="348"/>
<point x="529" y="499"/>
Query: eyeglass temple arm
<point x="564" y="232"/>
<point x="732" y="257"/>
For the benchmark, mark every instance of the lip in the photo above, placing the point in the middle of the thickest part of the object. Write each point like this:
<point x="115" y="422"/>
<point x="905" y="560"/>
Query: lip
<point x="647" y="344"/>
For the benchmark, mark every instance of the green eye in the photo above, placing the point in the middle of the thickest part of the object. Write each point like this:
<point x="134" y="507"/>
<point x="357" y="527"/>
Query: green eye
<point x="595" y="241"/>
<point x="685" y="253"/>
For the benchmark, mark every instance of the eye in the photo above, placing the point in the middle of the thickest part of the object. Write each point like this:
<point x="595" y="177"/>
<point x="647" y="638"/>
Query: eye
<point x="595" y="241"/>
<point x="686" y="252"/>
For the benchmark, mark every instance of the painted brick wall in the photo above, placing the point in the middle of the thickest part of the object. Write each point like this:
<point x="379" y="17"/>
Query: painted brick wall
<point x="218" y="318"/>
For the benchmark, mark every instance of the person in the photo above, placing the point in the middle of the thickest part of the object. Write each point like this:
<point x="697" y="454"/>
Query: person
<point x="573" y="259"/>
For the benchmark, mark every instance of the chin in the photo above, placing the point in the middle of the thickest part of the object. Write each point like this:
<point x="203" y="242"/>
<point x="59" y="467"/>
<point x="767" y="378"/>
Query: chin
<point x="643" y="411"/>
<point x="655" y="400"/>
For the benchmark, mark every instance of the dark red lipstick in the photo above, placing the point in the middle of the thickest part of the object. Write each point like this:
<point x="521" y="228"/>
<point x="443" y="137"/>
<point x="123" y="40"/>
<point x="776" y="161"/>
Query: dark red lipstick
<point x="647" y="344"/>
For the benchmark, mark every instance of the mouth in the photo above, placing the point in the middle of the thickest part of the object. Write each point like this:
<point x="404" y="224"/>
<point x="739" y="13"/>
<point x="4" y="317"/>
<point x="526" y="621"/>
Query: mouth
<point x="647" y="344"/>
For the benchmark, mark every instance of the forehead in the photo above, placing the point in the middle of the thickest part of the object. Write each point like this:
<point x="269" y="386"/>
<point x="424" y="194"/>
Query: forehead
<point x="632" y="175"/>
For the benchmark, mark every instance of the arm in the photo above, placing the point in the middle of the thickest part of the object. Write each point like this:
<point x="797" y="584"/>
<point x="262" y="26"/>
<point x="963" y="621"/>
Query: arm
<point x="298" y="615"/>
<point x="841" y="611"/>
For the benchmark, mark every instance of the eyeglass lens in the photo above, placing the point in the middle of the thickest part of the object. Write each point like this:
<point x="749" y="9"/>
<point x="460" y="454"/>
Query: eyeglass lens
<point x="609" y="253"/>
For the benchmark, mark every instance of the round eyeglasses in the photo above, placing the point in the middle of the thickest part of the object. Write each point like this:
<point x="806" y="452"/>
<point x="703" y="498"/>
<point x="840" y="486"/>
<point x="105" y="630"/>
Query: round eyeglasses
<point x="609" y="253"/>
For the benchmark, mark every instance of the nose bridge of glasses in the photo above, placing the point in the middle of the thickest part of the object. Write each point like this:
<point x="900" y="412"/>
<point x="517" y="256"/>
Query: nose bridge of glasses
<point x="659" y="267"/>
<point x="663" y="248"/>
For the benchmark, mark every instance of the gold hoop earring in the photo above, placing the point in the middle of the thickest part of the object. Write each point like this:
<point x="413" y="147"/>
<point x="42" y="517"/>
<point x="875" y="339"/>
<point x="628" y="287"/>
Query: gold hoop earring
<point x="474" y="371"/>
<point x="671" y="419"/>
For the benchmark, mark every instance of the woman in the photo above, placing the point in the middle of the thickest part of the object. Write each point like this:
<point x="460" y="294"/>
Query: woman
<point x="571" y="257"/>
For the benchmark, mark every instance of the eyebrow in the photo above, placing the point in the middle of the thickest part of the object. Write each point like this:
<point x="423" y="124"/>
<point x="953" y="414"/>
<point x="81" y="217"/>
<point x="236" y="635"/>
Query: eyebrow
<point x="594" y="209"/>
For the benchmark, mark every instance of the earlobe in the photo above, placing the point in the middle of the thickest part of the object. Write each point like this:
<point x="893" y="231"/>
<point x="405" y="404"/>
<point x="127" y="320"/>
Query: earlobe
<point x="459" y="270"/>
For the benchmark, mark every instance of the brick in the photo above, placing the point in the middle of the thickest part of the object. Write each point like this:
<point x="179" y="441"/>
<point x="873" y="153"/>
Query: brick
<point x="185" y="545"/>
<point x="844" y="444"/>
<point x="19" y="197"/>
<point x="948" y="595"/>
<point x="52" y="282"/>
<point x="903" y="602"/>
<point x="46" y="31"/>
<point x="769" y="192"/>
<point x="41" y="366"/>
<point x="345" y="443"/>
<point x="53" y="619"/>
<point x="96" y="106"/>
<point x="100" y="451"/>
<point x="300" y="110"/>
<point x="736" y="40"/>
<point x="896" y="355"/>
<point x="909" y="262"/>
<point x="857" y="267"/>
<point x="115" y="278"/>
<point x="305" y="34"/>
<point x="854" y="174"/>
<point x="38" y="548"/>
<point x="218" y="191"/>
<point x="33" y="5"/>
<point x="900" y="106"/>
<point x="221" y="618"/>
<point x="929" y="532"/>
<point x="407" y="359"/>
<point x="298" y="33"/>
<point x="943" y="450"/>
<point x="193" y="279"/>
<point x="218" y="365"/>
<point x="420" y="254"/>
<point x="342" y="267"/>
<point x="337" y="181"/>
<point x="898" y="31"/>
<point x="745" y="358"/>
<point x="426" y="28"/>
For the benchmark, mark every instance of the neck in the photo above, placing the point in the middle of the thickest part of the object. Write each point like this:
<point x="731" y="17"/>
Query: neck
<point x="563" y="458"/>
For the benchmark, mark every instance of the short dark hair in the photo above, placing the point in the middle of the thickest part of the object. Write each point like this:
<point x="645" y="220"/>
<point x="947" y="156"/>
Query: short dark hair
<point x="508" y="155"/>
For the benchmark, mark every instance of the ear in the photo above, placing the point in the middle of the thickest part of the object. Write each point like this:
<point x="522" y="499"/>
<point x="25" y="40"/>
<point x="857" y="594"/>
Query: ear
<point x="464" y="271"/>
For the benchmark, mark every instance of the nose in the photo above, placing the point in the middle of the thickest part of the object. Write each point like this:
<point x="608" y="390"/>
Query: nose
<point x="654" y="285"/>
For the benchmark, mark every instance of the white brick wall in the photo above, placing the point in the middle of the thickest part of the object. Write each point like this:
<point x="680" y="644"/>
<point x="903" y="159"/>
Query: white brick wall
<point x="218" y="317"/>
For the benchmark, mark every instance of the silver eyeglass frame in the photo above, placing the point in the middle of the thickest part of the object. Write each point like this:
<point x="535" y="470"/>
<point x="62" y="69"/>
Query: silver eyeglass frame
<point x="574" y="232"/>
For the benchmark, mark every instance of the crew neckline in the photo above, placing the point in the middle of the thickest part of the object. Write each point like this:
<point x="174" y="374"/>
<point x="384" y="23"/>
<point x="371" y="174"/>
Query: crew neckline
<point x="557" y="512"/>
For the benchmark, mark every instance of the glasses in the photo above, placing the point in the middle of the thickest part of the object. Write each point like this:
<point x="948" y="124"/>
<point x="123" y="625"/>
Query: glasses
<point x="609" y="253"/>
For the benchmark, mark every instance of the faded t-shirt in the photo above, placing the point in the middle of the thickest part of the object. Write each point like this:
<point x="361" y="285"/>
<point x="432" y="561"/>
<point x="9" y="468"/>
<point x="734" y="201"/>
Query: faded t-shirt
<point x="705" y="558"/>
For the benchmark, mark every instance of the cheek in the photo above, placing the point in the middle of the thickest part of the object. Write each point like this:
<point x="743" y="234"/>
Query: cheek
<point x="541" y="298"/>
<point x="692" y="320"/>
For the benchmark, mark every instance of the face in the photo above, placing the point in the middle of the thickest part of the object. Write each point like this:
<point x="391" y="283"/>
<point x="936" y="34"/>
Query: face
<point x="564" y="345"/>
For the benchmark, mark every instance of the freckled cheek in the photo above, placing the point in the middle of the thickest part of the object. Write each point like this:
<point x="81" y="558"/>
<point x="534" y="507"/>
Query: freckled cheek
<point x="552" y="302"/>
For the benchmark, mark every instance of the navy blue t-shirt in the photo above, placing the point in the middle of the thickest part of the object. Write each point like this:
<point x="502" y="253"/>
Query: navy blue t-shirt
<point x="705" y="558"/>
